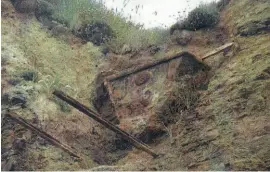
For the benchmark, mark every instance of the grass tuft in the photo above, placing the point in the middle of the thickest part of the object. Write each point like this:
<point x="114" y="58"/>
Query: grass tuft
<point x="204" y="16"/>
<point x="78" y="13"/>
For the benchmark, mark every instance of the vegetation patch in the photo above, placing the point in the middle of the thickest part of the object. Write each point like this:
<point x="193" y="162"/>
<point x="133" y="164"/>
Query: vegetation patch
<point x="183" y="97"/>
<point x="95" y="32"/>
<point x="204" y="16"/>
<point x="29" y="75"/>
<point x="85" y="16"/>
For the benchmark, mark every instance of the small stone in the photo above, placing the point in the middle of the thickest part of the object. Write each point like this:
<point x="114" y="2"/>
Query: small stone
<point x="18" y="99"/>
<point x="154" y="49"/>
<point x="146" y="98"/>
<point x="19" y="144"/>
<point x="142" y="78"/>
<point x="126" y="49"/>
<point x="182" y="37"/>
<point x="5" y="98"/>
<point x="14" y="81"/>
<point x="105" y="50"/>
<point x="264" y="75"/>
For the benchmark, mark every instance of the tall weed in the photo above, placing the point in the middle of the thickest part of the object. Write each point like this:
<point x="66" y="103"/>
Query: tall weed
<point x="204" y="16"/>
<point x="75" y="13"/>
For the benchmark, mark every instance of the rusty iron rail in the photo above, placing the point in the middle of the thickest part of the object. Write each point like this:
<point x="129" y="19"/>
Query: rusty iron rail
<point x="97" y="117"/>
<point x="148" y="66"/>
<point x="42" y="134"/>
<point x="165" y="60"/>
<point x="217" y="50"/>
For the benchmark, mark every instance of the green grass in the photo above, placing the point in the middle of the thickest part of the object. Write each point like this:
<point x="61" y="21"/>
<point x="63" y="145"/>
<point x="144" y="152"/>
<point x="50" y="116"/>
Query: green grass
<point x="206" y="15"/>
<point x="257" y="12"/>
<point x="76" y="13"/>
<point x="57" y="64"/>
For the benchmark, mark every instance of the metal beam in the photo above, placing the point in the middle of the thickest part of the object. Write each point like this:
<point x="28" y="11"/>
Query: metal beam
<point x="42" y="134"/>
<point x="97" y="117"/>
<point x="149" y="65"/>
<point x="217" y="50"/>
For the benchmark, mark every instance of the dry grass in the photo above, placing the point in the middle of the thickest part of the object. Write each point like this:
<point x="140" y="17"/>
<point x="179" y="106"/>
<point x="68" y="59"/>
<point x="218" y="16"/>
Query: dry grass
<point x="236" y="18"/>
<point x="236" y="105"/>
<point x="59" y="64"/>
<point x="77" y="13"/>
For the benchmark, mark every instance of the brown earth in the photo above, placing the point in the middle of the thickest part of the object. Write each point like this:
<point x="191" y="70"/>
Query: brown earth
<point x="221" y="122"/>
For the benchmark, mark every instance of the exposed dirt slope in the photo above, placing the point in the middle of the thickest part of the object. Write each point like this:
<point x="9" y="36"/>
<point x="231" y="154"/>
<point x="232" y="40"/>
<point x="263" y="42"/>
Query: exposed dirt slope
<point x="228" y="129"/>
<point x="62" y="62"/>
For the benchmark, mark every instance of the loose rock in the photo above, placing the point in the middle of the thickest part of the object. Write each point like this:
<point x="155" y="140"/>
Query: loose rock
<point x="154" y="49"/>
<point x="19" y="144"/>
<point x="96" y="32"/>
<point x="28" y="75"/>
<point x="25" y="6"/>
<point x="142" y="78"/>
<point x="182" y="37"/>
<point x="126" y="49"/>
<point x="18" y="100"/>
<point x="255" y="27"/>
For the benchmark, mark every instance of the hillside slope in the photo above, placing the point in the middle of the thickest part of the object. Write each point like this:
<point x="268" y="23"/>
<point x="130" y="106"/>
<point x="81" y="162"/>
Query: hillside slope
<point x="230" y="127"/>
<point x="34" y="63"/>
<point x="227" y="129"/>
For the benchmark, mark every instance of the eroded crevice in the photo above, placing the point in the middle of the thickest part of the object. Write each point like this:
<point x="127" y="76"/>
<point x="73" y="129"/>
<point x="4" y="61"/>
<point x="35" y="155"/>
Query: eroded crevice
<point x="114" y="147"/>
<point x="102" y="101"/>
<point x="148" y="120"/>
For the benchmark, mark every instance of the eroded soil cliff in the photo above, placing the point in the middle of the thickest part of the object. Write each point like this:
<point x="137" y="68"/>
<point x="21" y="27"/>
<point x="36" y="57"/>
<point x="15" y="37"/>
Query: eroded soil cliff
<point x="221" y="123"/>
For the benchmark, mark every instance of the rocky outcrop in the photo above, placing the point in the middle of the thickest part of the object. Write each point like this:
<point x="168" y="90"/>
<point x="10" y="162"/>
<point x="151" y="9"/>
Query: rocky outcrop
<point x="25" y="6"/>
<point x="101" y="99"/>
<point x="39" y="7"/>
<point x="182" y="37"/>
<point x="14" y="99"/>
<point x="176" y="26"/>
<point x="136" y="96"/>
<point x="264" y="75"/>
<point x="95" y="32"/>
<point x="42" y="9"/>
<point x="255" y="27"/>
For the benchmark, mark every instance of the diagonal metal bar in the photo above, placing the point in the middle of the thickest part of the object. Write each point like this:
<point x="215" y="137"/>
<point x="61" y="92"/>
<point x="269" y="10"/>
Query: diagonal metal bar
<point x="148" y="66"/>
<point x="217" y="50"/>
<point x="137" y="143"/>
<point x="42" y="134"/>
